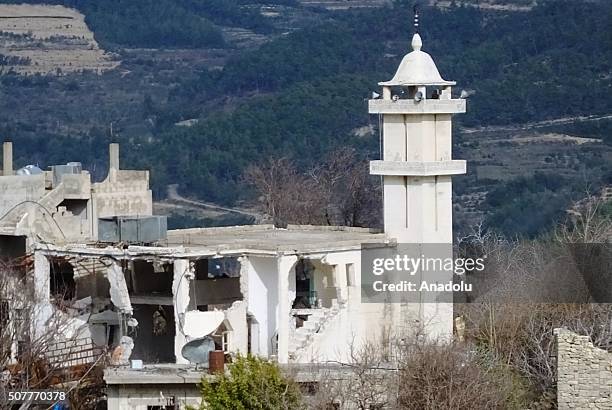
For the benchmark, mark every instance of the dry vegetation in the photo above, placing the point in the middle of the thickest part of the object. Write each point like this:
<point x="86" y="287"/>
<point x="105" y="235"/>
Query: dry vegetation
<point x="340" y="191"/>
<point x="29" y="353"/>
<point x="49" y="40"/>
<point x="503" y="356"/>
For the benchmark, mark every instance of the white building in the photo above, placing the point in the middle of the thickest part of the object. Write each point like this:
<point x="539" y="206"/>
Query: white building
<point x="292" y="295"/>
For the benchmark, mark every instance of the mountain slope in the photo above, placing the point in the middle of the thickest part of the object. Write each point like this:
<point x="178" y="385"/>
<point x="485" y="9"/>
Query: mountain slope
<point x="303" y="93"/>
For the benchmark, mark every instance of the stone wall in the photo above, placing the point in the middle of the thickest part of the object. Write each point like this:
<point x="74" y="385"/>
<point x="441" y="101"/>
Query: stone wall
<point x="584" y="373"/>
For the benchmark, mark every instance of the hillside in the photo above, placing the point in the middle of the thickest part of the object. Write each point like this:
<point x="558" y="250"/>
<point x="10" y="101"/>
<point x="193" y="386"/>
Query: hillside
<point x="302" y="93"/>
<point x="179" y="23"/>
<point x="38" y="39"/>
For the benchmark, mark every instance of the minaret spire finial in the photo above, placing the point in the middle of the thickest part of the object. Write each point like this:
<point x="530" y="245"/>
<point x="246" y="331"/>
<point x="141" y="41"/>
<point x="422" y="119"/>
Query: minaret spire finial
<point x="417" y="43"/>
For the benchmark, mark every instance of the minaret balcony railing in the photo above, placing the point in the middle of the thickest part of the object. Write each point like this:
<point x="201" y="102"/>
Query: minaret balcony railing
<point x="410" y="106"/>
<point x="418" y="168"/>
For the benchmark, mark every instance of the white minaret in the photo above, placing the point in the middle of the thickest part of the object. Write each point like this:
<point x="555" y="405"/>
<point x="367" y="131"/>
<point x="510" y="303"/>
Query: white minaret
<point x="417" y="166"/>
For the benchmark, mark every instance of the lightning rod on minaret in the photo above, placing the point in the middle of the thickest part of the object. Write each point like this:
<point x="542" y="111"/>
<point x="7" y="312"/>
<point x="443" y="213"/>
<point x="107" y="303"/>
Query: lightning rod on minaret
<point x="416" y="18"/>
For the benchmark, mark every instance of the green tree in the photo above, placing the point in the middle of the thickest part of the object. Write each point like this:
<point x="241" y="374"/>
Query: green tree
<point x="251" y="383"/>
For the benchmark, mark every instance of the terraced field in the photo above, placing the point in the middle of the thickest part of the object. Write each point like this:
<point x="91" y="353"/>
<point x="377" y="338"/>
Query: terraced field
<point x="41" y="39"/>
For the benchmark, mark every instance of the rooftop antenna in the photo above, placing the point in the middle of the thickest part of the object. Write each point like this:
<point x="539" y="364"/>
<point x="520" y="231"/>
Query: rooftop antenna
<point x="416" y="18"/>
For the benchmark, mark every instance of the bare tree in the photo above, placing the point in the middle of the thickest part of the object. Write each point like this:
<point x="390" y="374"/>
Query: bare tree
<point x="447" y="376"/>
<point x="531" y="287"/>
<point x="30" y="353"/>
<point x="286" y="195"/>
<point x="351" y="194"/>
<point x="368" y="380"/>
<point x="522" y="334"/>
<point x="413" y="372"/>
<point x="586" y="223"/>
<point x="339" y="191"/>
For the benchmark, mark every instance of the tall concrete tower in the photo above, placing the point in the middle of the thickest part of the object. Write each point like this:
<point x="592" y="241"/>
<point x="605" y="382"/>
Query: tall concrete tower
<point x="416" y="109"/>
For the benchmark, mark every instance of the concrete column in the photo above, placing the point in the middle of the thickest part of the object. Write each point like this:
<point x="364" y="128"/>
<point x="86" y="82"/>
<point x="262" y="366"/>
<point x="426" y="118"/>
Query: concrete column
<point x="7" y="158"/>
<point x="113" y="398"/>
<point x="245" y="268"/>
<point x="113" y="150"/>
<point x="183" y="275"/>
<point x="386" y="93"/>
<point x="286" y="296"/>
<point x="42" y="293"/>
<point x="113" y="166"/>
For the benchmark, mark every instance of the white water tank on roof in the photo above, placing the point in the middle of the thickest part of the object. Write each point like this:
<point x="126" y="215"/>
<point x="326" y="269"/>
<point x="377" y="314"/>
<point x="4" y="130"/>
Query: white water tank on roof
<point x="29" y="170"/>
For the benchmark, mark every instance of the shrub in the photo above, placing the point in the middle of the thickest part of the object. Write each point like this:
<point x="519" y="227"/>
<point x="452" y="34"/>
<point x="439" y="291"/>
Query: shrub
<point x="251" y="383"/>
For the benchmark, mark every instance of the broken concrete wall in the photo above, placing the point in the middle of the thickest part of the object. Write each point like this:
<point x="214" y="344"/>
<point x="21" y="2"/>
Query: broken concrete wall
<point x="118" y="289"/>
<point x="158" y="293"/>
<point x="200" y="324"/>
<point x="236" y="316"/>
<point x="78" y="290"/>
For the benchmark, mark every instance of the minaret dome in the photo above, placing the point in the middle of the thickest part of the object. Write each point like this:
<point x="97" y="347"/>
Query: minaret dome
<point x="417" y="68"/>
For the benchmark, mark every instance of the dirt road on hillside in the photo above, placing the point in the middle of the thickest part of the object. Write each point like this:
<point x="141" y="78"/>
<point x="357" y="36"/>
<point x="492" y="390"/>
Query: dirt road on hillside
<point x="174" y="196"/>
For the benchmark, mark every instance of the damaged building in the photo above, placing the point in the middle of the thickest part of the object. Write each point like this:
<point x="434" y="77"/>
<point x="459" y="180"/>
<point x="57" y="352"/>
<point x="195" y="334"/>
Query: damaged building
<point x="153" y="298"/>
<point x="290" y="295"/>
<point x="141" y="293"/>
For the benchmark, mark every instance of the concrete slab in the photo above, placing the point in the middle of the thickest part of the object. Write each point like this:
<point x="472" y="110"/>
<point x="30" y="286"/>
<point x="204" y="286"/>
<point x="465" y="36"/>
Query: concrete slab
<point x="155" y="374"/>
<point x="266" y="238"/>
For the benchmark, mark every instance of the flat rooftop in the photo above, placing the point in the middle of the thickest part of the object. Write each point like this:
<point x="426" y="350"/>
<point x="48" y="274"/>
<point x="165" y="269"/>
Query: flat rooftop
<point x="267" y="238"/>
<point x="235" y="240"/>
<point x="156" y="374"/>
<point x="190" y="374"/>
